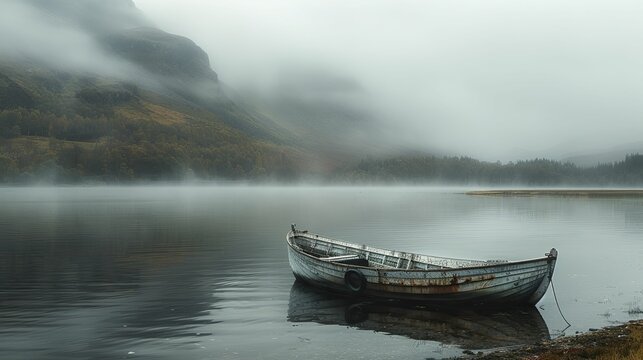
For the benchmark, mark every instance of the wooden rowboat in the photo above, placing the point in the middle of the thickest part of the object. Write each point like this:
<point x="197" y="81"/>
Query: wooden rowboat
<point x="366" y="271"/>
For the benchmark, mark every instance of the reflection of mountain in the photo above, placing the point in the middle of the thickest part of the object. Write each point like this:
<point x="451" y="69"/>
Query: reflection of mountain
<point x="467" y="328"/>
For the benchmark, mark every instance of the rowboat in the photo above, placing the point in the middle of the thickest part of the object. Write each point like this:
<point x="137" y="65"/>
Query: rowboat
<point x="366" y="271"/>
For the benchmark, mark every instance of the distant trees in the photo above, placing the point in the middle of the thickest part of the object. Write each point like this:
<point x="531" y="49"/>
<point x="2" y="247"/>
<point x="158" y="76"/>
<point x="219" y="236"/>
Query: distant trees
<point x="115" y="148"/>
<point x="13" y="96"/>
<point x="27" y="122"/>
<point x="8" y="169"/>
<point x="109" y="147"/>
<point x="465" y="170"/>
<point x="107" y="96"/>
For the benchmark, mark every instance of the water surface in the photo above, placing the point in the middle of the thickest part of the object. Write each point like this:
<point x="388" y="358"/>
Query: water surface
<point x="202" y="272"/>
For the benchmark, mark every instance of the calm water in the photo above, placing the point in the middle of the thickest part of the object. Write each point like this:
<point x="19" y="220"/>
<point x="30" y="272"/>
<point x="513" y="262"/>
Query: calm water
<point x="202" y="272"/>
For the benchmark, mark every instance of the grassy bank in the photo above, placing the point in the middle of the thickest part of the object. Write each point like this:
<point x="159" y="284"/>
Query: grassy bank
<point x="623" y="342"/>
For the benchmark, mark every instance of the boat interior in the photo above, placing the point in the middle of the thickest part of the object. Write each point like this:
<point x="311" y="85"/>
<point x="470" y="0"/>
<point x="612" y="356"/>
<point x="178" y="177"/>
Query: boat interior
<point x="360" y="255"/>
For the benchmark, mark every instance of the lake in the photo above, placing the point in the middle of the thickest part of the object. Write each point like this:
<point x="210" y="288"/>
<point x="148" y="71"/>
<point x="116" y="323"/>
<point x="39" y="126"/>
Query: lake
<point x="201" y="272"/>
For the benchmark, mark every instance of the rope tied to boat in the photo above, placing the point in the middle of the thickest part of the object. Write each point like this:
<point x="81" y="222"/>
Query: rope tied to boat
<point x="557" y="305"/>
<point x="554" y="254"/>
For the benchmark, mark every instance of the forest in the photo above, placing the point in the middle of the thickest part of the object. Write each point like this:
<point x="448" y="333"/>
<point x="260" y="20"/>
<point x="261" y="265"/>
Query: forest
<point x="40" y="146"/>
<point x="114" y="133"/>
<point x="466" y="170"/>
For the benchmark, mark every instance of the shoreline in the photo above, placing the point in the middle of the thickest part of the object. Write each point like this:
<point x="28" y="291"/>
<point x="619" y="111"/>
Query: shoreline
<point x="623" y="341"/>
<point x="599" y="193"/>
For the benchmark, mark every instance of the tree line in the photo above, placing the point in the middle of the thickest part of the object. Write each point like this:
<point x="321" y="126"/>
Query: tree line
<point x="37" y="145"/>
<point x="466" y="170"/>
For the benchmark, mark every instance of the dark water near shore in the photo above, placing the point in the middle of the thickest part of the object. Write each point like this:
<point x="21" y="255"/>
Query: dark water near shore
<point x="202" y="272"/>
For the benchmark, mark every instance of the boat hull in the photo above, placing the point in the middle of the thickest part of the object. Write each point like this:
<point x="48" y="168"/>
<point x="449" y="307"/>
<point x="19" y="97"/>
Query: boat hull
<point x="521" y="282"/>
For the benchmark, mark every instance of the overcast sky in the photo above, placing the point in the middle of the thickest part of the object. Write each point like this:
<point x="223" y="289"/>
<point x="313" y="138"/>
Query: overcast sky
<point x="494" y="79"/>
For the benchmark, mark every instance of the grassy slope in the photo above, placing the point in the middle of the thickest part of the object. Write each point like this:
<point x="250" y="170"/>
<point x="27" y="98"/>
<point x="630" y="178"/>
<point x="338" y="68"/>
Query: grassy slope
<point x="141" y="127"/>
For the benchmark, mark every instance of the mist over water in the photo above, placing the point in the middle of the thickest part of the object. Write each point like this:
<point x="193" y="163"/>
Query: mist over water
<point x="202" y="271"/>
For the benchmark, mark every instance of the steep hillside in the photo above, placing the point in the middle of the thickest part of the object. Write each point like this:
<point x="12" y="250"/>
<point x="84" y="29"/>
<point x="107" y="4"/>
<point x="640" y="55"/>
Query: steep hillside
<point x="161" y="53"/>
<point x="177" y="68"/>
<point x="146" y="105"/>
<point x="62" y="126"/>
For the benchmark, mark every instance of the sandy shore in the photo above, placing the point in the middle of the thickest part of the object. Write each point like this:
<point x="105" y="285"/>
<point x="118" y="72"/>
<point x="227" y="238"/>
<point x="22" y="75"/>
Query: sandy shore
<point x="610" y="343"/>
<point x="560" y="192"/>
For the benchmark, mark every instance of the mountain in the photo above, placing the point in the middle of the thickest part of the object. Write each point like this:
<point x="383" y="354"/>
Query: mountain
<point x="94" y="91"/>
<point x="161" y="53"/>
<point x="331" y="113"/>
<point x="94" y="16"/>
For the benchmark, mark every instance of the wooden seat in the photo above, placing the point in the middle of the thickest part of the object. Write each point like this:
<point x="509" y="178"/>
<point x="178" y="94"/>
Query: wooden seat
<point x="347" y="259"/>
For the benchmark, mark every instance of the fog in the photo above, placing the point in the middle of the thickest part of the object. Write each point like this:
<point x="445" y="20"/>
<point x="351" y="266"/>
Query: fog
<point x="497" y="80"/>
<point x="94" y="38"/>
<point x="37" y="34"/>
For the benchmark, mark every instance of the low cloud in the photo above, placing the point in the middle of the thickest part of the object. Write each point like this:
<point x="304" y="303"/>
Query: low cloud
<point x="495" y="79"/>
<point x="29" y="33"/>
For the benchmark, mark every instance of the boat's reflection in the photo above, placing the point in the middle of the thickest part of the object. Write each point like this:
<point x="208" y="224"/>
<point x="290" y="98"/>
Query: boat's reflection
<point x="476" y="328"/>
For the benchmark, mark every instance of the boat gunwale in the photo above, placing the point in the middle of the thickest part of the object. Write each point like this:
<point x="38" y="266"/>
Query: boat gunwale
<point x="295" y="247"/>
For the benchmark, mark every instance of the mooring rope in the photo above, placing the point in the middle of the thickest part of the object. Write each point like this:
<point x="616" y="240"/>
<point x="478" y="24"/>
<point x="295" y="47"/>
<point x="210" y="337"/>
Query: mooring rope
<point x="557" y="305"/>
